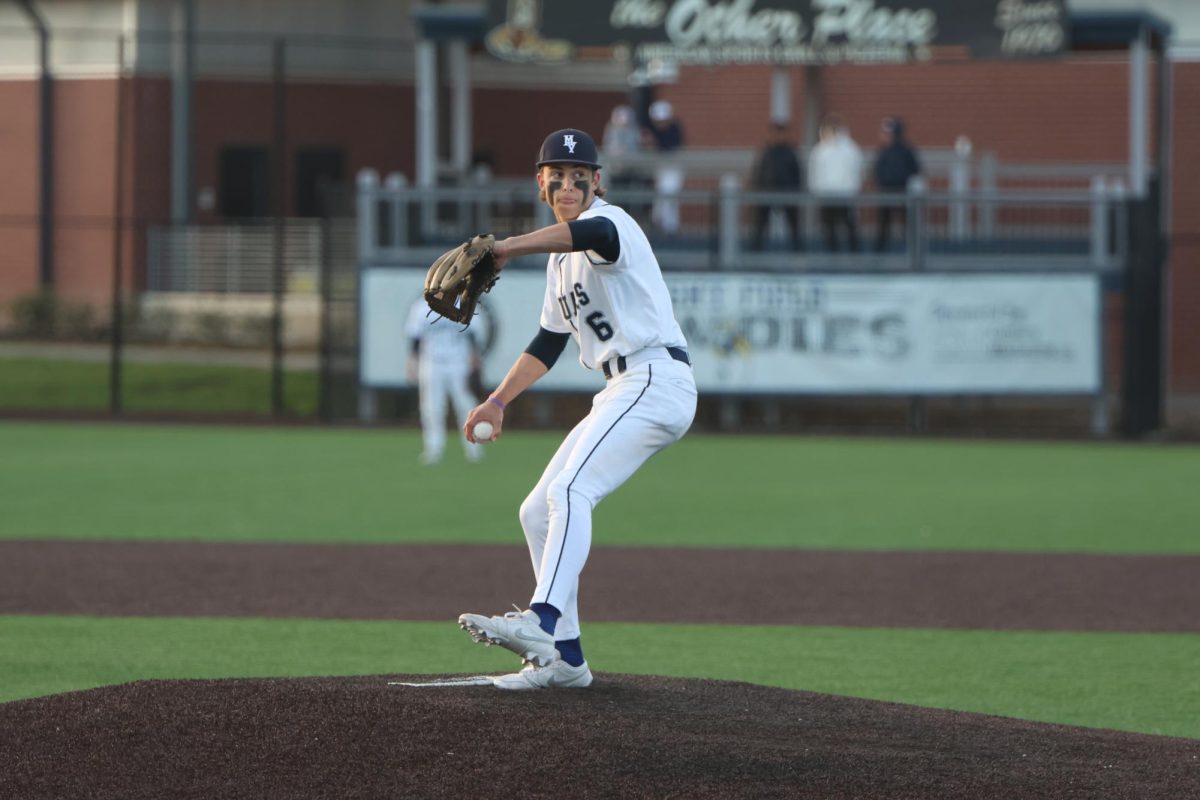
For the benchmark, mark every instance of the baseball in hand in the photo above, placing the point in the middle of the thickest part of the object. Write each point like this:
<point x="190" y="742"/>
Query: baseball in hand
<point x="482" y="431"/>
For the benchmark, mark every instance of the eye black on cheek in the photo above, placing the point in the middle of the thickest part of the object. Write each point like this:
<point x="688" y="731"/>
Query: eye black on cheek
<point x="553" y="188"/>
<point x="584" y="187"/>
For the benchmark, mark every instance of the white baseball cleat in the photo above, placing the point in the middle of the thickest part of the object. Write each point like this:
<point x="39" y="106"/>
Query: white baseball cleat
<point x="519" y="631"/>
<point x="558" y="674"/>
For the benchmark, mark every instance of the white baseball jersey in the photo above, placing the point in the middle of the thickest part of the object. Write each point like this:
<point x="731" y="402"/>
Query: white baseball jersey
<point x="443" y="343"/>
<point x="444" y="367"/>
<point x="611" y="308"/>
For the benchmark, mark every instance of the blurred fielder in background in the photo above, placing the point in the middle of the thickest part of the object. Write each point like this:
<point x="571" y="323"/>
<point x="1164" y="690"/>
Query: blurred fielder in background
<point x="443" y="356"/>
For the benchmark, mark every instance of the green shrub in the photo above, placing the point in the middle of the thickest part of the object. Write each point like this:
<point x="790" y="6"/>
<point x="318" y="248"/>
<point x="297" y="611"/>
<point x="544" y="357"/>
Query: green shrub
<point x="213" y="328"/>
<point x="34" y="314"/>
<point x="149" y="327"/>
<point x="43" y="315"/>
<point x="255" y="331"/>
<point x="77" y="321"/>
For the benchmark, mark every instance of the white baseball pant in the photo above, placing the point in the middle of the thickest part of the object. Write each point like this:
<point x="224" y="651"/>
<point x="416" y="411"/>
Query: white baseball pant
<point x="637" y="414"/>
<point x="440" y="383"/>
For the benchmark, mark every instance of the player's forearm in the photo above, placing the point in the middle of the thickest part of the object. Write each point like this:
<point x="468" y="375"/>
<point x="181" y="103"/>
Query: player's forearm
<point x="524" y="373"/>
<point x="554" y="238"/>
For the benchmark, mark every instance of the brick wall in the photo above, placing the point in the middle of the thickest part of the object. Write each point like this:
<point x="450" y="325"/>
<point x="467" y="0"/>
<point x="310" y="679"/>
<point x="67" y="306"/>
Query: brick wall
<point x="511" y="123"/>
<point x="18" y="189"/>
<point x="1184" y="277"/>
<point x="1073" y="110"/>
<point x="84" y="143"/>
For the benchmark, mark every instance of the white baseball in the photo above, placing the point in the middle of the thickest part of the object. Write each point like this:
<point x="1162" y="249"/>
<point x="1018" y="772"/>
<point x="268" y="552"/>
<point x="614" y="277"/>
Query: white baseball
<point x="482" y="431"/>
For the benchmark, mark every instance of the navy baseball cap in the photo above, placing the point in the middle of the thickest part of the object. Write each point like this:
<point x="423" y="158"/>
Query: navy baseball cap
<point x="568" y="146"/>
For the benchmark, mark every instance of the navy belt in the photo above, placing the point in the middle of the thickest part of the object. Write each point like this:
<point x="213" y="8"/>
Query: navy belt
<point x="677" y="353"/>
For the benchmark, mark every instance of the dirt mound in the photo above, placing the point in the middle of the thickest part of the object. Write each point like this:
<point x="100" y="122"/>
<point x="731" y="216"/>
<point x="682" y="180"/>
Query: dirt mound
<point x="626" y="737"/>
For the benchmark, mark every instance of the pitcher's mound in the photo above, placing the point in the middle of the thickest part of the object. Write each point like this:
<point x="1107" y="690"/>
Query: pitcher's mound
<point x="626" y="737"/>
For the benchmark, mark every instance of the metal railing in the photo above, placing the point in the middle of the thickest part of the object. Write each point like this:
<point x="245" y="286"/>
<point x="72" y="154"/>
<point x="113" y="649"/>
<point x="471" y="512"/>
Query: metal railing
<point x="938" y="230"/>
<point x="719" y="229"/>
<point x="232" y="259"/>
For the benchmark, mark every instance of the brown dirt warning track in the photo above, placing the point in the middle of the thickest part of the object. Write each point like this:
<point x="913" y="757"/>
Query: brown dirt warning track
<point x="627" y="736"/>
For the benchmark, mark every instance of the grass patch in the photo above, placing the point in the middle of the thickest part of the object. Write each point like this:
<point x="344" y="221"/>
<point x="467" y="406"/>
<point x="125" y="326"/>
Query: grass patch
<point x="46" y="384"/>
<point x="353" y="485"/>
<point x="1133" y="682"/>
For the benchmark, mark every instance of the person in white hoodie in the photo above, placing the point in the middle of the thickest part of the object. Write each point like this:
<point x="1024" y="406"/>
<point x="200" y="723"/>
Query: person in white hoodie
<point x="835" y="176"/>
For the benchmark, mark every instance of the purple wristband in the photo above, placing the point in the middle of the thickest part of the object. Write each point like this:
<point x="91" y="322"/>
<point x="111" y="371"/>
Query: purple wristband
<point x="496" y="402"/>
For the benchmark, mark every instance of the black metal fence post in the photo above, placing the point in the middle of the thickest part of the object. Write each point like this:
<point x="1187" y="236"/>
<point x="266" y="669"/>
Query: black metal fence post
<point x="118" y="322"/>
<point x="46" y="153"/>
<point x="915" y="236"/>
<point x="1142" y="370"/>
<point x="325" y="367"/>
<point x="279" y="181"/>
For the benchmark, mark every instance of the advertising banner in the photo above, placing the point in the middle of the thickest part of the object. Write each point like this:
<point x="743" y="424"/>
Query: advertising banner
<point x="904" y="334"/>
<point x="778" y="31"/>
<point x="808" y="334"/>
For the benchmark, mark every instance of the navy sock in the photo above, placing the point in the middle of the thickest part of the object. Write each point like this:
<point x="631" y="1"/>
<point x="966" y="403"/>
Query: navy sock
<point x="548" y="615"/>
<point x="571" y="651"/>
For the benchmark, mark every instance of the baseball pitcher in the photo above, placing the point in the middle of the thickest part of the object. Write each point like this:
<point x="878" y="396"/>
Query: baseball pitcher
<point x="604" y="288"/>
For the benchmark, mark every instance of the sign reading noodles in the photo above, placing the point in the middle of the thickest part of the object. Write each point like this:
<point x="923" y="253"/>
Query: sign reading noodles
<point x="892" y="334"/>
<point x="906" y="334"/>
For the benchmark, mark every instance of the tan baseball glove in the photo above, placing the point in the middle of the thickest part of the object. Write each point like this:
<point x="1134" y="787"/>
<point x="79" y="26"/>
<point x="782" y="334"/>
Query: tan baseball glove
<point x="459" y="278"/>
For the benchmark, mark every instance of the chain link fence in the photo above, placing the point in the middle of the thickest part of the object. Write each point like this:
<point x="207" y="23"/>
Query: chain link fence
<point x="118" y="296"/>
<point x="247" y="306"/>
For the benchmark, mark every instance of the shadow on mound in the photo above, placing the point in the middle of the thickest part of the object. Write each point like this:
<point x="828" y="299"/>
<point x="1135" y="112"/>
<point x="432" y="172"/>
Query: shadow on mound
<point x="626" y="737"/>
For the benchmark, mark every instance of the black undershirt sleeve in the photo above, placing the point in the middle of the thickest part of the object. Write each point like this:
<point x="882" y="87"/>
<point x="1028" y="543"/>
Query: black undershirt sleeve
<point x="597" y="234"/>
<point x="547" y="346"/>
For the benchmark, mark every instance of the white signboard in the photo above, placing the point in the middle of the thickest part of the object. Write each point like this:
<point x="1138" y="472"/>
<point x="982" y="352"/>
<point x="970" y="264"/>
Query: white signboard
<point x="902" y="334"/>
<point x="864" y="334"/>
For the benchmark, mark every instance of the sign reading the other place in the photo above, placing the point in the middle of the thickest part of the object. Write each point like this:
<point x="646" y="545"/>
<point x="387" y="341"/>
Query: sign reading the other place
<point x="778" y="31"/>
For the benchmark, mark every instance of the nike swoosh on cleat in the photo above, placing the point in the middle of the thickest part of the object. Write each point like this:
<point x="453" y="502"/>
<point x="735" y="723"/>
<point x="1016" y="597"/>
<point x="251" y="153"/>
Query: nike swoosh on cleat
<point x="524" y="634"/>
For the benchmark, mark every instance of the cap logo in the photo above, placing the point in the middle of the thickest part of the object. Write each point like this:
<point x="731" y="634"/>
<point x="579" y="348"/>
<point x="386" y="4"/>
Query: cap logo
<point x="569" y="142"/>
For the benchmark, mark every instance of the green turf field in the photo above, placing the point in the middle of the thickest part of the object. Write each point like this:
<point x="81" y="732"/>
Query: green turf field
<point x="213" y="483"/>
<point x="57" y="384"/>
<point x="148" y="482"/>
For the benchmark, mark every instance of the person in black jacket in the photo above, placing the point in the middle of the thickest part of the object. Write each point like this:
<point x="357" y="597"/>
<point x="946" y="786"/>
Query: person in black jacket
<point x="896" y="163"/>
<point x="777" y="169"/>
<point x="668" y="181"/>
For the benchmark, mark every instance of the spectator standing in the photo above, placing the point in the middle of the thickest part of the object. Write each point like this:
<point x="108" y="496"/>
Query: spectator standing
<point x="778" y="169"/>
<point x="622" y="143"/>
<point x="895" y="164"/>
<point x="443" y="355"/>
<point x="622" y="138"/>
<point x="668" y="181"/>
<point x="835" y="173"/>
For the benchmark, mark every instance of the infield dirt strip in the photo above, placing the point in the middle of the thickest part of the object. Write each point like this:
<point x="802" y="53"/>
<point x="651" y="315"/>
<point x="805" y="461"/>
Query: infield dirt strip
<point x="626" y="736"/>
<point x="999" y="591"/>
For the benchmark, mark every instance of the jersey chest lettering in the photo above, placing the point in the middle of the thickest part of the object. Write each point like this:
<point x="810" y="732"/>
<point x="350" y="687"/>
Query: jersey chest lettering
<point x="573" y="301"/>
